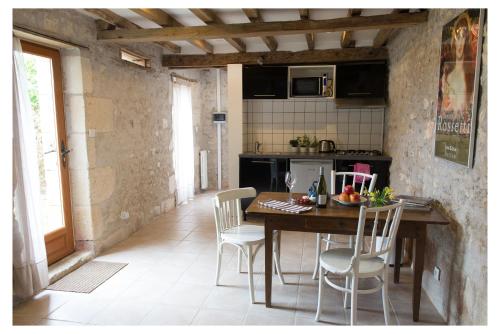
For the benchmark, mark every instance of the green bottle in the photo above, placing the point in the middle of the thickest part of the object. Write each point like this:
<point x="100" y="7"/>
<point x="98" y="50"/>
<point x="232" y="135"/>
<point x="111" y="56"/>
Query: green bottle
<point x="322" y="193"/>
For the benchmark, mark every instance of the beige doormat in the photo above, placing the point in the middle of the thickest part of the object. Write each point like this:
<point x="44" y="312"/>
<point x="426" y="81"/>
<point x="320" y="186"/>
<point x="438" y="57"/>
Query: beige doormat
<point x="88" y="277"/>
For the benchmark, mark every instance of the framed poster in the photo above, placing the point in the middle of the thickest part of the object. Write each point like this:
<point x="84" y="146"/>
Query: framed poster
<point x="461" y="44"/>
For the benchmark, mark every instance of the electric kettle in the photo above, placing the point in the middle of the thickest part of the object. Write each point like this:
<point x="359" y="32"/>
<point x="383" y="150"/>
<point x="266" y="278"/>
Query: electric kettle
<point x="326" y="146"/>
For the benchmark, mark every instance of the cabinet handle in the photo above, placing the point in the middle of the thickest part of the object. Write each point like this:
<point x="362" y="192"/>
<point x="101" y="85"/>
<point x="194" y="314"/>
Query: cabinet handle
<point x="263" y="162"/>
<point x="359" y="93"/>
<point x="261" y="95"/>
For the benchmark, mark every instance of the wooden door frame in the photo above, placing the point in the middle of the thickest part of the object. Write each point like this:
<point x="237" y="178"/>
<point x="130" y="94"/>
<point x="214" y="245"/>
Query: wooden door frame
<point x="65" y="234"/>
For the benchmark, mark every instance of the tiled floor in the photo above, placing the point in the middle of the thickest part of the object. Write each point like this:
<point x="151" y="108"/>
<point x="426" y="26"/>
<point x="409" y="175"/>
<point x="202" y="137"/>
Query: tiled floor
<point x="170" y="281"/>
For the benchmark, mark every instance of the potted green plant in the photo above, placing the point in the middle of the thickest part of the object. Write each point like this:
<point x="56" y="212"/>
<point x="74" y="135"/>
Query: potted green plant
<point x="304" y="144"/>
<point x="380" y="197"/>
<point x="294" y="145"/>
<point x="313" y="147"/>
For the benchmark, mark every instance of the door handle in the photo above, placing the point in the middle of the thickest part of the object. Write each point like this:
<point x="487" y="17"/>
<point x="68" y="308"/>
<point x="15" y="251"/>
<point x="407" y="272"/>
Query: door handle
<point x="64" y="152"/>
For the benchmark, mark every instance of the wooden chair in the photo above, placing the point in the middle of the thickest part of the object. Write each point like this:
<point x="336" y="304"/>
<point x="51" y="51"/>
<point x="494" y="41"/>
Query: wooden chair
<point x="329" y="240"/>
<point x="230" y="230"/>
<point x="355" y="264"/>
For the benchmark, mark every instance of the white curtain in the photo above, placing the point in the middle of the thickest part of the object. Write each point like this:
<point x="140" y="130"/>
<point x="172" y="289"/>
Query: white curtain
<point x="182" y="119"/>
<point x="30" y="269"/>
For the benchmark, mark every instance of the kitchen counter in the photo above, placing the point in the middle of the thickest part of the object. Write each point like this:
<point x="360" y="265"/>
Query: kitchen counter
<point x="325" y="156"/>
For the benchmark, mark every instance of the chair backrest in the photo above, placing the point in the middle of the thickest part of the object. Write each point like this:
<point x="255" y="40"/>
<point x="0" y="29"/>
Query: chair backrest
<point x="388" y="226"/>
<point x="227" y="208"/>
<point x="354" y="175"/>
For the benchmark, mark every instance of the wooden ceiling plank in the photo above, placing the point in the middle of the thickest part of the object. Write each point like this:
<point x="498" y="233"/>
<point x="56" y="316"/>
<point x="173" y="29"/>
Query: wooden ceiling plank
<point x="114" y="19"/>
<point x="165" y="20"/>
<point x="304" y="15"/>
<point x="383" y="35"/>
<point x="208" y="16"/>
<point x="387" y="21"/>
<point x="346" y="36"/>
<point x="330" y="56"/>
<point x="158" y="16"/>
<point x="254" y="16"/>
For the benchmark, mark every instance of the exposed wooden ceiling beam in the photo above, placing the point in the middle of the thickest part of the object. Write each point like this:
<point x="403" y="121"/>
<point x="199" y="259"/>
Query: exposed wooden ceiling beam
<point x="254" y="16"/>
<point x="304" y="15"/>
<point x="384" y="34"/>
<point x="162" y="18"/>
<point x="264" y="28"/>
<point x="116" y="20"/>
<point x="330" y="56"/>
<point x="209" y="17"/>
<point x="345" y="39"/>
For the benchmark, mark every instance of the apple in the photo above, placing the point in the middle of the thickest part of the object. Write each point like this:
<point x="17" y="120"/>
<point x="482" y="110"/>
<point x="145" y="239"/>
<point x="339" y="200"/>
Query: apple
<point x="344" y="197"/>
<point x="348" y="189"/>
<point x="355" y="197"/>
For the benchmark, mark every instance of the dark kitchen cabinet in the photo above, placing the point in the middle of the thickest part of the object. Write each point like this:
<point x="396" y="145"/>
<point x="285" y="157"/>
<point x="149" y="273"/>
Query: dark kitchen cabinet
<point x="379" y="167"/>
<point x="264" y="174"/>
<point x="265" y="82"/>
<point x="367" y="80"/>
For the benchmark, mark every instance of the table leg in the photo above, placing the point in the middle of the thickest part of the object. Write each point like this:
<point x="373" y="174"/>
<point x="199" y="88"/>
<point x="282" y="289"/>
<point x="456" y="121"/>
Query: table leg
<point x="418" y="271"/>
<point x="268" y="233"/>
<point x="397" y="259"/>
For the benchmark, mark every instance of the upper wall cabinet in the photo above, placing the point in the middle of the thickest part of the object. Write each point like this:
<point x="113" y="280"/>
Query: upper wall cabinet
<point x="265" y="82"/>
<point x="361" y="81"/>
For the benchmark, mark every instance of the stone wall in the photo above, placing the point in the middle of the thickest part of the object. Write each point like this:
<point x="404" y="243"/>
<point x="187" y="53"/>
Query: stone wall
<point x="460" y="250"/>
<point x="118" y="117"/>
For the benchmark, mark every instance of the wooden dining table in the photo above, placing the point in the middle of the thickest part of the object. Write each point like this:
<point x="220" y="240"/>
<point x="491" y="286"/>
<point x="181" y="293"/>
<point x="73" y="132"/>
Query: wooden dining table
<point x="340" y="219"/>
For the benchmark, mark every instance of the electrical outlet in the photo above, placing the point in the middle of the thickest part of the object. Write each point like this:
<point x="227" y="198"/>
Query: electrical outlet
<point x="124" y="215"/>
<point x="437" y="273"/>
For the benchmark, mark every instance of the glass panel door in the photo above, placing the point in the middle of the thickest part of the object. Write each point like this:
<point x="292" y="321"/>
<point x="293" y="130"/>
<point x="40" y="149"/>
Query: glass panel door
<point x="43" y="72"/>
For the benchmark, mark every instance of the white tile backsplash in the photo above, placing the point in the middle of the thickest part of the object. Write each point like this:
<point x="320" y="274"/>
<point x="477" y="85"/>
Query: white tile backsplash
<point x="275" y="122"/>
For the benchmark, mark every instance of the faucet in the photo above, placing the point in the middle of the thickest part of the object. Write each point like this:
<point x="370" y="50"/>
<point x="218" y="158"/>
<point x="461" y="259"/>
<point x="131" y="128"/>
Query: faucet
<point x="257" y="147"/>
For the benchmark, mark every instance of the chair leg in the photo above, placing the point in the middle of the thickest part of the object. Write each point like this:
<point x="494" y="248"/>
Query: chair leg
<point x="354" y="300"/>
<point x="351" y="241"/>
<point x="328" y="243"/>
<point x="346" y="294"/>
<point x="250" y="274"/>
<point x="318" y="253"/>
<point x="239" y="260"/>
<point x="277" y="248"/>
<point x="277" y="267"/>
<point x="385" y="297"/>
<point x="219" y="258"/>
<point x="320" y="293"/>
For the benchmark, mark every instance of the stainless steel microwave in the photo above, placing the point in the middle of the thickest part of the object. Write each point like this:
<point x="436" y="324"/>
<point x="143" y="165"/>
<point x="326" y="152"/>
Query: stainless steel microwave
<point x="308" y="86"/>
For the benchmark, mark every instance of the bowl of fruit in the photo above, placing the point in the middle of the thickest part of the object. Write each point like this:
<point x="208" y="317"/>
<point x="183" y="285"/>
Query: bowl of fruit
<point x="349" y="197"/>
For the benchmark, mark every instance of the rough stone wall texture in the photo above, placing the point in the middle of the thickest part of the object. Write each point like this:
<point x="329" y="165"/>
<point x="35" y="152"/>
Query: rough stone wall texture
<point x="121" y="115"/>
<point x="460" y="250"/>
<point x="204" y="95"/>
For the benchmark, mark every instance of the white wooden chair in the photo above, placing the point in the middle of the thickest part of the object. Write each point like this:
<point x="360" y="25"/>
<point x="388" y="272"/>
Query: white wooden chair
<point x="230" y="230"/>
<point x="329" y="240"/>
<point x="355" y="264"/>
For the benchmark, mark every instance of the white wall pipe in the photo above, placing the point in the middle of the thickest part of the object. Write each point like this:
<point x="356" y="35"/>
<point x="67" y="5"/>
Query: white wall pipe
<point x="219" y="139"/>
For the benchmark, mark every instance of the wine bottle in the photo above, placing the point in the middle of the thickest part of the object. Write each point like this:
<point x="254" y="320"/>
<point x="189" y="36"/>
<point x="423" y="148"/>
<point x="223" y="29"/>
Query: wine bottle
<point x="322" y="193"/>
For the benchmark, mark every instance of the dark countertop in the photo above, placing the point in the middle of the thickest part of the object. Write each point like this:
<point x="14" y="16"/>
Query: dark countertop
<point x="325" y="156"/>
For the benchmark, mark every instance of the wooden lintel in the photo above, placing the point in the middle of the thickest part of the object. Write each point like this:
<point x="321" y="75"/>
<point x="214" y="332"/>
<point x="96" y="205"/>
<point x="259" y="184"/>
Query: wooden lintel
<point x="164" y="19"/>
<point x="208" y="16"/>
<point x="330" y="56"/>
<point x="254" y="16"/>
<point x="346" y="36"/>
<point x="114" y="19"/>
<point x="387" y="21"/>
